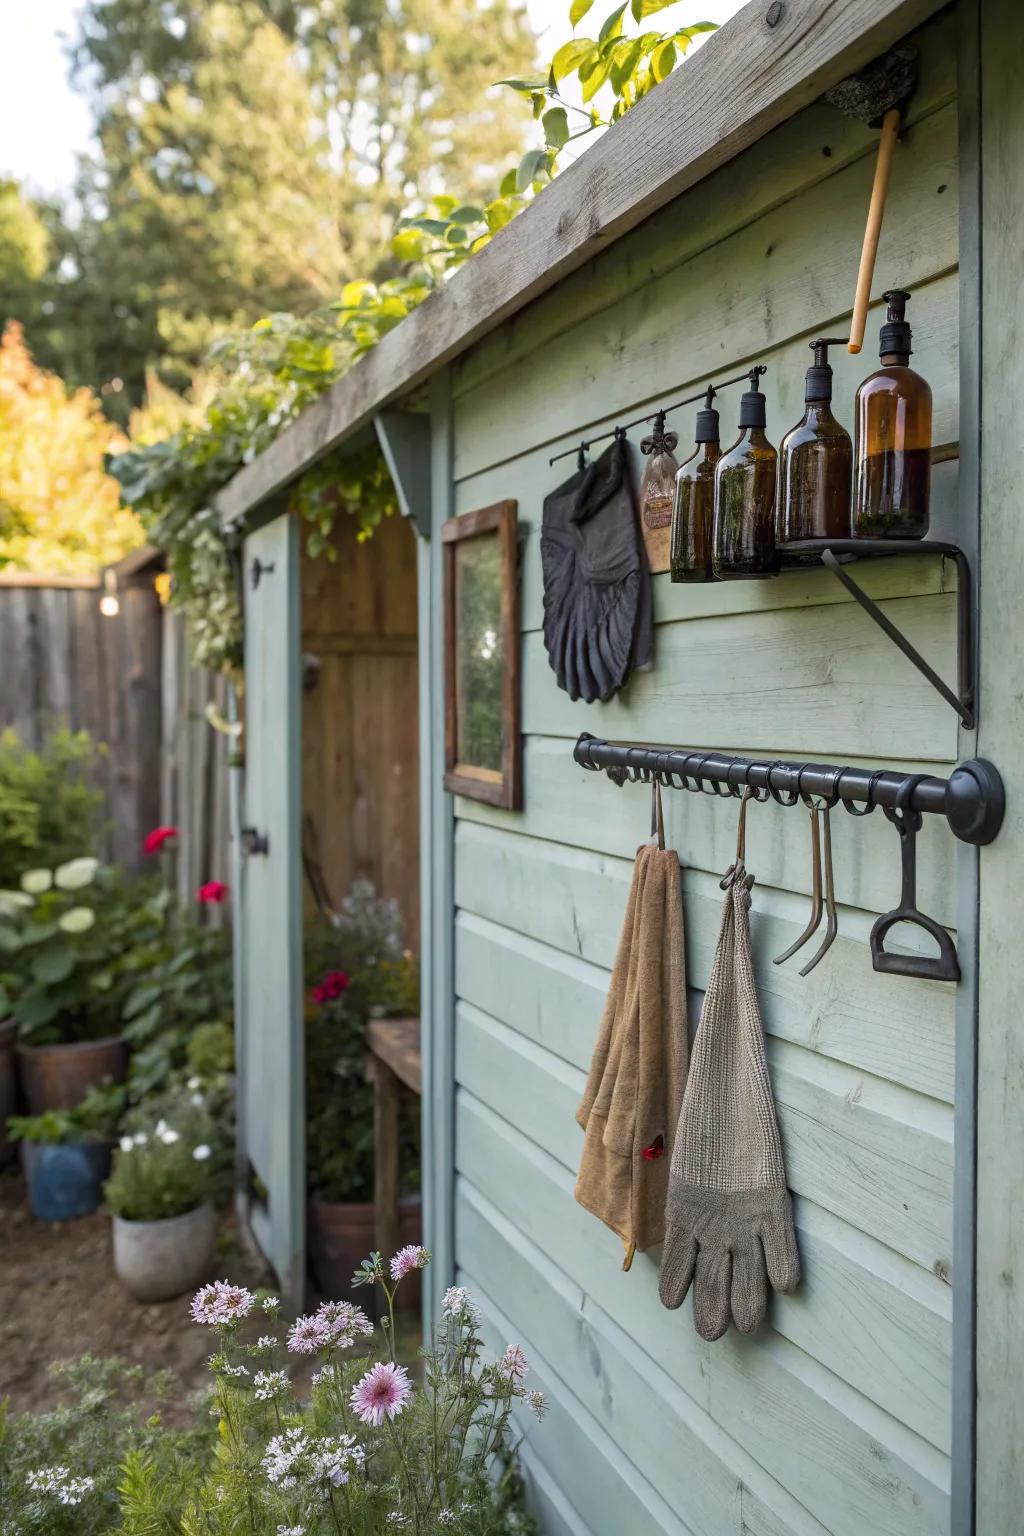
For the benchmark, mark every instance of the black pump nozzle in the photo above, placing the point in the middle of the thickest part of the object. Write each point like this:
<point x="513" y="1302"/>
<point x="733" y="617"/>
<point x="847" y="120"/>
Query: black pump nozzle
<point x="752" y="406"/>
<point x="895" y="333"/>
<point x="818" y="381"/>
<point x="707" y="420"/>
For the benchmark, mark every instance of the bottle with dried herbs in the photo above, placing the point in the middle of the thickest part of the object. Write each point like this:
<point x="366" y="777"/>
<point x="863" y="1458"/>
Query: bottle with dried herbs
<point x="656" y="492"/>
<point x="815" y="467"/>
<point x="694" y="504"/>
<point x="744" y="522"/>
<point x="894" y="438"/>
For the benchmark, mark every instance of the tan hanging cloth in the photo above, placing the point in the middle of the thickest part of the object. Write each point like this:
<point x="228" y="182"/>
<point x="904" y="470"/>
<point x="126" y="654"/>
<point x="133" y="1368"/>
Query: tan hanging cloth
<point x="634" y="1092"/>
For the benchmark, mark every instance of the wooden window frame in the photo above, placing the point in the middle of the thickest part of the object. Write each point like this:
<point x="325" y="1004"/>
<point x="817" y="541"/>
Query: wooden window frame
<point x="504" y="788"/>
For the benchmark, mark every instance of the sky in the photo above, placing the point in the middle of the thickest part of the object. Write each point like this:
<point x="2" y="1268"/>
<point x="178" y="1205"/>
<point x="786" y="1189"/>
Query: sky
<point x="44" y="123"/>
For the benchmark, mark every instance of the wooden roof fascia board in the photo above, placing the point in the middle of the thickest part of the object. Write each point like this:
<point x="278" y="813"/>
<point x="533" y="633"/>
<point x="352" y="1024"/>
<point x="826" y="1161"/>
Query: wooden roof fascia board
<point x="744" y="81"/>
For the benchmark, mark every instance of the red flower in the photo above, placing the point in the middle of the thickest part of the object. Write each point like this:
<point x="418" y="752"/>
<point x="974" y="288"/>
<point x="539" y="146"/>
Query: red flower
<point x="332" y="986"/>
<point x="213" y="890"/>
<point x="154" y="841"/>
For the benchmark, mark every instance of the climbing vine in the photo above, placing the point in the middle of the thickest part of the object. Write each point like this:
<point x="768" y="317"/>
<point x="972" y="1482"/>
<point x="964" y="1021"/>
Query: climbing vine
<point x="270" y="374"/>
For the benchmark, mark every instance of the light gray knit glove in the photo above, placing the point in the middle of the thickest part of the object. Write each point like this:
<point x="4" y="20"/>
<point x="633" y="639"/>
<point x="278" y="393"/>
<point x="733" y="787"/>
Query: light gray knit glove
<point x="728" y="1215"/>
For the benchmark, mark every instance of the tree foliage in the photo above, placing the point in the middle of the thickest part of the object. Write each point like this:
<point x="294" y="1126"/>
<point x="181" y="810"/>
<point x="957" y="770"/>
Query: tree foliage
<point x="60" y="510"/>
<point x="253" y="156"/>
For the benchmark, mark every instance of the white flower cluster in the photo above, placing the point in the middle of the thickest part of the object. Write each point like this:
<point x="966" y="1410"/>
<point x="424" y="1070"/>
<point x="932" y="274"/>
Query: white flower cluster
<point x="59" y="1482"/>
<point x="458" y="1305"/>
<point x="269" y="1385"/>
<point x="295" y="1458"/>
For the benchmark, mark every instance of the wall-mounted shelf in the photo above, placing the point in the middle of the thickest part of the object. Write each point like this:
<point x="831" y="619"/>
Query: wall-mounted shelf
<point x="836" y="554"/>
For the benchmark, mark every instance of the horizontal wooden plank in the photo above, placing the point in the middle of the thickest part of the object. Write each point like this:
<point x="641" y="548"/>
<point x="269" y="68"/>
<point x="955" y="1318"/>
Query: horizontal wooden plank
<point x="573" y="900"/>
<point x="797" y="155"/>
<point x="672" y="1443"/>
<point x="737" y="302"/>
<point x="823" y="682"/>
<point x="871" y="1317"/>
<point x="573" y="1445"/>
<point x="563" y="803"/>
<point x="877" y="1156"/>
<point x="831" y="1447"/>
<point x="904" y="577"/>
<point x="745" y="81"/>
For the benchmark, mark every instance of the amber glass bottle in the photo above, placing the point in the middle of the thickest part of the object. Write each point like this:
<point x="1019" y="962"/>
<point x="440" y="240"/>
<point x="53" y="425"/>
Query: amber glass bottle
<point x="815" y="467"/>
<point x="894" y="438"/>
<point x="743" y="539"/>
<point x="694" y="504"/>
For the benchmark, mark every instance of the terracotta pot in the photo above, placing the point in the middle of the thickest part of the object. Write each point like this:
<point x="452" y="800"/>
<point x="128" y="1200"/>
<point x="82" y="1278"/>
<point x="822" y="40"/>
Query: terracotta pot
<point x="8" y="1088"/>
<point x="57" y="1076"/>
<point x="341" y="1234"/>
<point x="65" y="1181"/>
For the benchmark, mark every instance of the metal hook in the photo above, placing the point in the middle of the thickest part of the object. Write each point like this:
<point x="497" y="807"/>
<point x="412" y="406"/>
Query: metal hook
<point x="832" y="915"/>
<point x="778" y="794"/>
<point x="816" y="906"/>
<point x="870" y="803"/>
<point x="737" y="868"/>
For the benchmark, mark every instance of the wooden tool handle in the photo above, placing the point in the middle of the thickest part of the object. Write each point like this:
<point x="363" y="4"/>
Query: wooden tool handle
<point x="883" y="166"/>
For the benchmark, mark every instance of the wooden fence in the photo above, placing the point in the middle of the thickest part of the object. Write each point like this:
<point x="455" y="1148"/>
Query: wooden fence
<point x="126" y="680"/>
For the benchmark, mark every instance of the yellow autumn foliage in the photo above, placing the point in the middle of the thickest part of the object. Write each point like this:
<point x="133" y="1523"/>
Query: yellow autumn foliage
<point x="60" y="512"/>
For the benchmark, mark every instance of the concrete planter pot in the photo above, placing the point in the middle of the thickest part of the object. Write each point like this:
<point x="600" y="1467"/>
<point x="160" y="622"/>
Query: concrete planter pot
<point x="156" y="1260"/>
<point x="57" y="1076"/>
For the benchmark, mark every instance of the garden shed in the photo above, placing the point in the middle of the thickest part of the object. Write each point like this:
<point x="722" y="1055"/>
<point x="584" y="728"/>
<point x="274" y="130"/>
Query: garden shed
<point x="716" y="227"/>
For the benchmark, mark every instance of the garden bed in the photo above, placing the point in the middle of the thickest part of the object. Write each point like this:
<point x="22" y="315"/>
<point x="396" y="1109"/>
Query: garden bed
<point x="59" y="1298"/>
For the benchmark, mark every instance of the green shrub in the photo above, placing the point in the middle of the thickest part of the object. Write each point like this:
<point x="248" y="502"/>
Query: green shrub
<point x="159" y="1173"/>
<point x="50" y="809"/>
<point x="94" y="1119"/>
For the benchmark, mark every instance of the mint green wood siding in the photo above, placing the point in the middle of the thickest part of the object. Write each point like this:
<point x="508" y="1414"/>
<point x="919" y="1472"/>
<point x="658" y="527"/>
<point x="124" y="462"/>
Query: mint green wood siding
<point x="267" y="900"/>
<point x="836" y="1417"/>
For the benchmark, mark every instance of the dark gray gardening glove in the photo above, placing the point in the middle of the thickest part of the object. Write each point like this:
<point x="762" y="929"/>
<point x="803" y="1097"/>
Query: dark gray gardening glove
<point x="728" y="1215"/>
<point x="598" y="613"/>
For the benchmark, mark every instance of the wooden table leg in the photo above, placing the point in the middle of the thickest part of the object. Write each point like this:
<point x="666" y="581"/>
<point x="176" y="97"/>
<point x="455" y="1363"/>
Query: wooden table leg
<point x="385" y="1158"/>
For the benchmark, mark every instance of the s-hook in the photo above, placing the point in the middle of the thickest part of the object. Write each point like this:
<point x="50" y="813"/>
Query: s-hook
<point x="820" y="807"/>
<point x="941" y="967"/>
<point x="737" y="868"/>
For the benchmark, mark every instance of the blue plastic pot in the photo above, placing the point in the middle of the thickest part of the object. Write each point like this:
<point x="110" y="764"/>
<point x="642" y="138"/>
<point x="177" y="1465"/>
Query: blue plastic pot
<point x="65" y="1181"/>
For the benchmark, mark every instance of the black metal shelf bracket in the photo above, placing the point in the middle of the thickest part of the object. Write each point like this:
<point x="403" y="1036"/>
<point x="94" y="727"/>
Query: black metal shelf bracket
<point x="834" y="553"/>
<point x="972" y="799"/>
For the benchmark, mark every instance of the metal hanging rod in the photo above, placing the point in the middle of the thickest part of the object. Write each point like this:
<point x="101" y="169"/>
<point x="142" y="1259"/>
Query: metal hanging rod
<point x="972" y="799"/>
<point x="665" y="410"/>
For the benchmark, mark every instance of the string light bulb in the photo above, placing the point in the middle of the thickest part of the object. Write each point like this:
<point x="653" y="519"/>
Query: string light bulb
<point x="110" y="605"/>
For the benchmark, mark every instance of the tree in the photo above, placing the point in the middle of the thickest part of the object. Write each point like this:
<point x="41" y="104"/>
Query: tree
<point x="59" y="509"/>
<point x="24" y="243"/>
<point x="256" y="155"/>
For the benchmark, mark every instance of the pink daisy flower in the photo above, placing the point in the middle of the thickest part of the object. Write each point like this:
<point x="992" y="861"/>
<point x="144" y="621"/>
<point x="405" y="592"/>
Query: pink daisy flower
<point x="382" y="1393"/>
<point x="308" y="1335"/>
<point x="412" y="1256"/>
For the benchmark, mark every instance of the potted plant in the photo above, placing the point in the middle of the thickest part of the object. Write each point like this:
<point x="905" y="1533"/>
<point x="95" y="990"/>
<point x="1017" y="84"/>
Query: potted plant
<point x="164" y="1224"/>
<point x="65" y="1154"/>
<point x="8" y="1087"/>
<point x="358" y="969"/>
<point x="71" y="941"/>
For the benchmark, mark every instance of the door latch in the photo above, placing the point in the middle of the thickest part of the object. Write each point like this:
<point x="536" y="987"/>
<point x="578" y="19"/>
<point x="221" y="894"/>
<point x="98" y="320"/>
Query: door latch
<point x="252" y="841"/>
<point x="258" y="570"/>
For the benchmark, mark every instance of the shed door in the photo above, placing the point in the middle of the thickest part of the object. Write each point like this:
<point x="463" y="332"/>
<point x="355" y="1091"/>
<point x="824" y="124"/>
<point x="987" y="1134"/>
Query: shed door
<point x="271" y="1104"/>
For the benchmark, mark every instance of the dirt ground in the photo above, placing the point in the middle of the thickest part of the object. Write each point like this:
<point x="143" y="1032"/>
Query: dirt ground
<point x="59" y="1298"/>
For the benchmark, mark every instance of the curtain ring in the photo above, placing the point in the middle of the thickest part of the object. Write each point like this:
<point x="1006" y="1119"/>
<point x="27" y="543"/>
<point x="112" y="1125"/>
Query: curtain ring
<point x="870" y="803"/>
<point x="778" y="795"/>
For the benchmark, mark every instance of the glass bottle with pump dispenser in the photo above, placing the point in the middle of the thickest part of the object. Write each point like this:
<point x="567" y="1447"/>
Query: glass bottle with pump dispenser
<point x="894" y="438"/>
<point x="694" y="503"/>
<point x="815" y="466"/>
<point x="744" y="522"/>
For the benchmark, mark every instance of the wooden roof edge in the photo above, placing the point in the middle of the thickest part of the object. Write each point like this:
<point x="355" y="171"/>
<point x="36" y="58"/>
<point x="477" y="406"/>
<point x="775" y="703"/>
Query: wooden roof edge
<point x="745" y="80"/>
